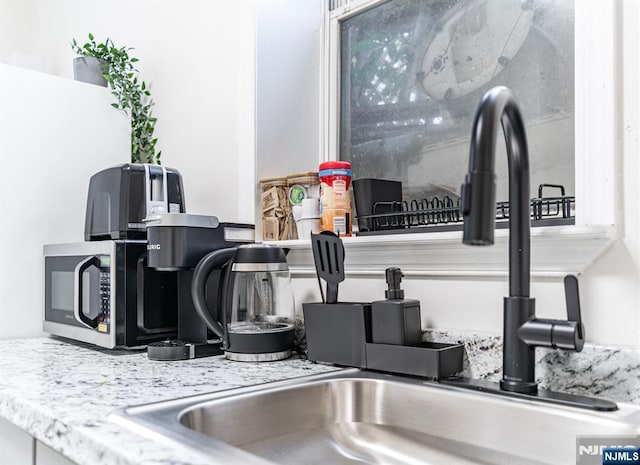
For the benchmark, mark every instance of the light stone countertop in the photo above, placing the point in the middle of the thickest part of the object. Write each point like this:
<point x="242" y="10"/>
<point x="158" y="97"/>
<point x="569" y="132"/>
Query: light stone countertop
<point x="61" y="393"/>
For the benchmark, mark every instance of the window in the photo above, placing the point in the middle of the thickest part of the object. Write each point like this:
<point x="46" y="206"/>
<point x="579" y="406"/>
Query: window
<point x="411" y="75"/>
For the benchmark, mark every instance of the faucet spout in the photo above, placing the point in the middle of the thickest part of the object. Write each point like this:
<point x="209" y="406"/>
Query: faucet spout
<point x="478" y="191"/>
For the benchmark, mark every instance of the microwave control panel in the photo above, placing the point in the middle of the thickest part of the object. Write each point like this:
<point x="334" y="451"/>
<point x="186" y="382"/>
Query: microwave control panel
<point x="104" y="315"/>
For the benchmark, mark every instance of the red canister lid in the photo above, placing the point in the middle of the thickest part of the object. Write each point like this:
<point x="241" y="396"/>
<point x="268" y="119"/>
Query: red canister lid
<point x="331" y="171"/>
<point x="327" y="165"/>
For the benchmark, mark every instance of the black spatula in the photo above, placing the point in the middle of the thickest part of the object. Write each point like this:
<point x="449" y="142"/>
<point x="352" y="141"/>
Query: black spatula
<point x="328" y="254"/>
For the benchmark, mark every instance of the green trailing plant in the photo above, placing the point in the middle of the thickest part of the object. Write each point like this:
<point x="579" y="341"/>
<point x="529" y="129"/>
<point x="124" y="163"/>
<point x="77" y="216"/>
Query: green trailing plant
<point x="131" y="93"/>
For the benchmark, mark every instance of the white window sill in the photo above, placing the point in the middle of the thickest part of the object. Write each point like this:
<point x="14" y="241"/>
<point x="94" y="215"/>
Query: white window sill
<point x="555" y="252"/>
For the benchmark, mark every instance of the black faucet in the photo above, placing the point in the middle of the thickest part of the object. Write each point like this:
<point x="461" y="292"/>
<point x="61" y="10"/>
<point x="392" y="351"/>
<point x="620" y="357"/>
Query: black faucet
<point x="523" y="332"/>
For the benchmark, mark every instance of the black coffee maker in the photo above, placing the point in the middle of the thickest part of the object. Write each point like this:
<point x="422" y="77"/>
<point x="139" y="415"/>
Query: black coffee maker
<point x="176" y="243"/>
<point x="121" y="197"/>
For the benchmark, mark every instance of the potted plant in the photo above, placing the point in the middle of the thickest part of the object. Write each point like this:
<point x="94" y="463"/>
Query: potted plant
<point x="90" y="69"/>
<point x="132" y="95"/>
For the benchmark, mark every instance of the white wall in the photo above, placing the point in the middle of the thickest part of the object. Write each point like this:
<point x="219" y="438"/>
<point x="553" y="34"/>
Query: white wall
<point x="288" y="60"/>
<point x="288" y="82"/>
<point x="54" y="134"/>
<point x="15" y="39"/>
<point x="191" y="53"/>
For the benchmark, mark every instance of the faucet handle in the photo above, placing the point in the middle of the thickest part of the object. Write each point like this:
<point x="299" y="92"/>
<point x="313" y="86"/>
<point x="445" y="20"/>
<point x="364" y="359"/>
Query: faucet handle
<point x="559" y="334"/>
<point x="569" y="335"/>
<point x="572" y="297"/>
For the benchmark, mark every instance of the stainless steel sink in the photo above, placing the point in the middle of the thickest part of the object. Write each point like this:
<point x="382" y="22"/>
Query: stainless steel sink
<point x="362" y="417"/>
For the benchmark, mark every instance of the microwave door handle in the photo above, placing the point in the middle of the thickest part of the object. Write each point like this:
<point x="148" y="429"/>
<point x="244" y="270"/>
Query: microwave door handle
<point x="77" y="304"/>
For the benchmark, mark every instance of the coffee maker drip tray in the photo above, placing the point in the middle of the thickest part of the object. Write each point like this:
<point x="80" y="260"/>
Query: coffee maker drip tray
<point x="171" y="350"/>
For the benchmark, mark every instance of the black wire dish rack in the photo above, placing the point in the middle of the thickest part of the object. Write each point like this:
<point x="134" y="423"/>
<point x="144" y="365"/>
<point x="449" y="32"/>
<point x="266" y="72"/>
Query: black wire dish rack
<point x="443" y="213"/>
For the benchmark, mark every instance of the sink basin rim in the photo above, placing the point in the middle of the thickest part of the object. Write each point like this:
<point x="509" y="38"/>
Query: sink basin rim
<point x="151" y="419"/>
<point x="148" y="420"/>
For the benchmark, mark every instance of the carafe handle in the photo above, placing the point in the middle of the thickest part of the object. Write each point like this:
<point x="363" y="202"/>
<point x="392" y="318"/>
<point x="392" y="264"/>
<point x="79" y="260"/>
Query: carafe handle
<point x="210" y="262"/>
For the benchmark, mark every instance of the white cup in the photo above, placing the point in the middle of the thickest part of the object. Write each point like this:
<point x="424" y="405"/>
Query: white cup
<point x="310" y="208"/>
<point x="296" y="210"/>
<point x="306" y="226"/>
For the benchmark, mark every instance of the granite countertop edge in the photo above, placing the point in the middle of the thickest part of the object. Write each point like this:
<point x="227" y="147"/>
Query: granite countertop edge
<point x="61" y="393"/>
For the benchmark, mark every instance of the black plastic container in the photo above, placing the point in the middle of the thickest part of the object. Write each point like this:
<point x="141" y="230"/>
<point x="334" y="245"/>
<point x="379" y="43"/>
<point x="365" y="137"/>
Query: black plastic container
<point x="337" y="333"/>
<point x="431" y="360"/>
<point x="368" y="191"/>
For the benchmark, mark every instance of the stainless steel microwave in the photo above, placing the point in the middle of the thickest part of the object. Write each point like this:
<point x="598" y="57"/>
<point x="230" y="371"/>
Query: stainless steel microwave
<point x="103" y="293"/>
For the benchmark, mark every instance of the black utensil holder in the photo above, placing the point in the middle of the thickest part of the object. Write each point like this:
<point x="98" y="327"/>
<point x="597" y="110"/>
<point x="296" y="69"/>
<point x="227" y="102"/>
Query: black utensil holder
<point x="341" y="334"/>
<point x="337" y="333"/>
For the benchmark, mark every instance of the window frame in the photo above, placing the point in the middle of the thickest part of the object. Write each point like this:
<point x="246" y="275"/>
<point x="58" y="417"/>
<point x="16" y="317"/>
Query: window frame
<point x="555" y="250"/>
